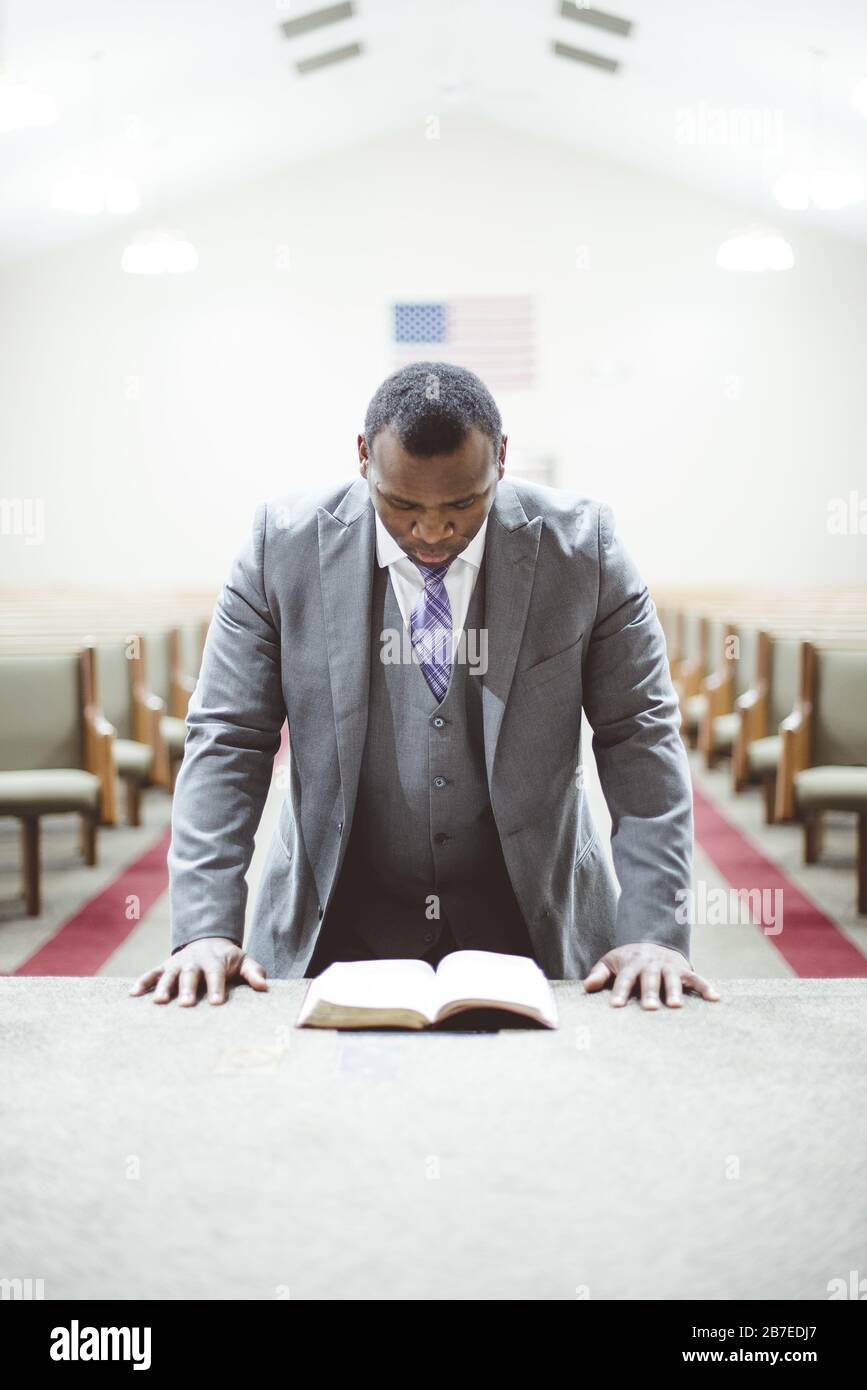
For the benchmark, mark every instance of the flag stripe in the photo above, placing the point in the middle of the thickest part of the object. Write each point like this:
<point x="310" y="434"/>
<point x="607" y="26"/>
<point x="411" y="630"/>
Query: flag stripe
<point x="493" y="336"/>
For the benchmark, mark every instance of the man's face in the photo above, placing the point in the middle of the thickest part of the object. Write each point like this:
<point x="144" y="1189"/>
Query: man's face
<point x="432" y="507"/>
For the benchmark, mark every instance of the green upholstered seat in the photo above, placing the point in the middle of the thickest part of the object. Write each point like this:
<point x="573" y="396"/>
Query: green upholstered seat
<point x="745" y="663"/>
<point x="133" y="759"/>
<point x="191" y="648"/>
<point x="838" y="781"/>
<point x="692" y="636"/>
<point x="832" y="788"/>
<point x="174" y="732"/>
<point x="40" y="712"/>
<point x="113" y="673"/>
<point x="839" y="723"/>
<point x="695" y="709"/>
<point x="716" y="630"/>
<point x="763" y="754"/>
<point x="784" y="657"/>
<point x="46" y="790"/>
<point x="158" y="663"/>
<point x="725" y="728"/>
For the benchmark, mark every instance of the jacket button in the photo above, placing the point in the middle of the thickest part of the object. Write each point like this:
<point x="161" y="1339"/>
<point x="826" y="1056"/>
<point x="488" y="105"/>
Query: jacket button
<point x="439" y="722"/>
<point x="428" y="936"/>
<point x="439" y="781"/>
<point x="340" y="825"/>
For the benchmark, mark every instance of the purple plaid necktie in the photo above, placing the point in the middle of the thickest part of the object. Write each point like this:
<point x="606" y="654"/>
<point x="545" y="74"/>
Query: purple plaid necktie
<point x="431" y="629"/>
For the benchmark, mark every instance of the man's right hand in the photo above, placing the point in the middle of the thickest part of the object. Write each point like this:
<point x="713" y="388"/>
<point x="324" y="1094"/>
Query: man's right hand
<point x="215" y="957"/>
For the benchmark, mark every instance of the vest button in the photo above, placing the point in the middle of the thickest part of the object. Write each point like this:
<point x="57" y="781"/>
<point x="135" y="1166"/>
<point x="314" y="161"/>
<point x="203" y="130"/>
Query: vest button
<point x="439" y="781"/>
<point x="339" y="826"/>
<point x="440" y="838"/>
<point x="320" y="912"/>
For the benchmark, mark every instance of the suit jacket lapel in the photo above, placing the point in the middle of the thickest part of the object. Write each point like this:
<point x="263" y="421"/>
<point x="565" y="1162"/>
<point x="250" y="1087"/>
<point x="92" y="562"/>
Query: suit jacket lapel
<point x="347" y="555"/>
<point x="511" y="549"/>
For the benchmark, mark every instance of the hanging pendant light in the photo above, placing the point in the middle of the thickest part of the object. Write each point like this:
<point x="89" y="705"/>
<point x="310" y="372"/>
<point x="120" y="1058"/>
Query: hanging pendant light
<point x="753" y="250"/>
<point x="159" y="252"/>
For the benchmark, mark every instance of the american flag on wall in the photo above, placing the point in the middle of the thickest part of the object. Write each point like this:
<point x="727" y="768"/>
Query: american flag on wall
<point x="492" y="335"/>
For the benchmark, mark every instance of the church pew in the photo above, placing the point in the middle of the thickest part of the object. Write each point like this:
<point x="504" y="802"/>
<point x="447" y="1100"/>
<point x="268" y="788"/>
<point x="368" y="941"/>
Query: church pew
<point x="823" y="758"/>
<point x="55" y="752"/>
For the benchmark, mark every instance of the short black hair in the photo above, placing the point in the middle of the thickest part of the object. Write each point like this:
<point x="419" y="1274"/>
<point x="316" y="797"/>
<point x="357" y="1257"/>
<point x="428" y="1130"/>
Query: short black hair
<point x="432" y="406"/>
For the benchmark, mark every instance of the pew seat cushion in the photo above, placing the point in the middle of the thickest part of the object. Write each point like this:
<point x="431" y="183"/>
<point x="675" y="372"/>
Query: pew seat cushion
<point x="133" y="759"/>
<point x="763" y="754"/>
<point x="174" y="732"/>
<point x="46" y="790"/>
<point x="725" y="728"/>
<point x="694" y="710"/>
<point x="832" y="788"/>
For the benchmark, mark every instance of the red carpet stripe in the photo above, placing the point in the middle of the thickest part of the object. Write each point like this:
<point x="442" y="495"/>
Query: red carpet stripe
<point x="810" y="941"/>
<point x="83" y="943"/>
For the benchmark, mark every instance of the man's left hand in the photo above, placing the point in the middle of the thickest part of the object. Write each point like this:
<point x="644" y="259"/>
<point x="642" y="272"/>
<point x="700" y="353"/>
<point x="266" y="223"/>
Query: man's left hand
<point x="650" y="967"/>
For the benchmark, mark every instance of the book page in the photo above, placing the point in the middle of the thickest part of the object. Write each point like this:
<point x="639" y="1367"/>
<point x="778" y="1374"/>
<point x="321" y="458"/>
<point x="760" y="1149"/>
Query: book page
<point x="375" y="984"/>
<point x="493" y="976"/>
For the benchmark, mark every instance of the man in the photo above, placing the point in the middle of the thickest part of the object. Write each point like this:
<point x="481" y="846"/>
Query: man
<point x="436" y="794"/>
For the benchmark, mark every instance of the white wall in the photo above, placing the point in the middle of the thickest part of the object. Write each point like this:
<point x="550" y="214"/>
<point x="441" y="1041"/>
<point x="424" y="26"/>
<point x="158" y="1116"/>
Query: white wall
<point x="717" y="414"/>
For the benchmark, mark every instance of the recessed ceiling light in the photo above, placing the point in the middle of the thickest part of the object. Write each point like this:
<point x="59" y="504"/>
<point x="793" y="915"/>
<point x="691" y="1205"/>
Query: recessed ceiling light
<point x="598" y="19"/>
<point x="161" y="252"/>
<point x="755" y="250"/>
<point x="581" y="55"/>
<point x="334" y="55"/>
<point x="316" y="19"/>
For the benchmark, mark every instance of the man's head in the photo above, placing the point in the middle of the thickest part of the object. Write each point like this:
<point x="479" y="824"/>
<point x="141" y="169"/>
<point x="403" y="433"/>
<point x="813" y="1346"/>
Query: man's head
<point x="432" y="452"/>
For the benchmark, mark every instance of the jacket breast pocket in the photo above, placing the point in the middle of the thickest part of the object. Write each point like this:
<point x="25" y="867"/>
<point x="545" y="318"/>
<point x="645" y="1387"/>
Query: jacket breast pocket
<point x="565" y="662"/>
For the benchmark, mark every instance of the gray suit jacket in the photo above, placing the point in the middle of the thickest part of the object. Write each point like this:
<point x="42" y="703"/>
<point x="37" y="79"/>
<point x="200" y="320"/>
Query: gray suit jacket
<point x="570" y="622"/>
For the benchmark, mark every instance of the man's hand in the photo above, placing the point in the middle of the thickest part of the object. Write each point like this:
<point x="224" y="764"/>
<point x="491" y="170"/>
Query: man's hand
<point x="215" y="957"/>
<point x="651" y="965"/>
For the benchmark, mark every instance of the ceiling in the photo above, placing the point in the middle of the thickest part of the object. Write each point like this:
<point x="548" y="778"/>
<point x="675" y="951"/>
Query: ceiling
<point x="192" y="95"/>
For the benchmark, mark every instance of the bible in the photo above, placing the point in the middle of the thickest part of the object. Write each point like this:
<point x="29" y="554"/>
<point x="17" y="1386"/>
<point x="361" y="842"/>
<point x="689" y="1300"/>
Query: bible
<point x="411" y="994"/>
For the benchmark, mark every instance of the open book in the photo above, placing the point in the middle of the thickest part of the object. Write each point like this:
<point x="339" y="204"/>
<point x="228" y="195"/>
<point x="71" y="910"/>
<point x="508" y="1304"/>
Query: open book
<point x="411" y="994"/>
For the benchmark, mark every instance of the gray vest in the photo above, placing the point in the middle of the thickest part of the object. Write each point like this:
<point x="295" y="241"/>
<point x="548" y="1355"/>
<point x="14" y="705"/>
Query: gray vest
<point x="423" y="833"/>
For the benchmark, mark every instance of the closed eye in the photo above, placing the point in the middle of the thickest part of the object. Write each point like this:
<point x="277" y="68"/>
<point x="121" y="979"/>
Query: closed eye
<point x="413" y="506"/>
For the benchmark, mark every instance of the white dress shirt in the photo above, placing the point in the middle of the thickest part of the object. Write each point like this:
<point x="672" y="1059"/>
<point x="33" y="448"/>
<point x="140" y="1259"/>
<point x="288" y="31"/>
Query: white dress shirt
<point x="408" y="583"/>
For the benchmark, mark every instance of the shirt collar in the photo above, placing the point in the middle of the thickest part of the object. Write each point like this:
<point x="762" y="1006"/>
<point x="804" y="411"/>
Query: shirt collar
<point x="388" y="550"/>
